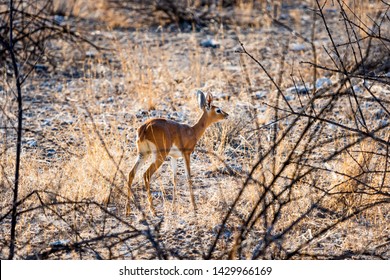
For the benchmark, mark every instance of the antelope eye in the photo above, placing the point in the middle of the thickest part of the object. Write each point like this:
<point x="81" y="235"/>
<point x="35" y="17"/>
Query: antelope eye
<point x="218" y="111"/>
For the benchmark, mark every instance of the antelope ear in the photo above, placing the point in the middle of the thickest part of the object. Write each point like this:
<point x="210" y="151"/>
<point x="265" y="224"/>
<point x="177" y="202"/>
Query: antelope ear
<point x="201" y="99"/>
<point x="209" y="99"/>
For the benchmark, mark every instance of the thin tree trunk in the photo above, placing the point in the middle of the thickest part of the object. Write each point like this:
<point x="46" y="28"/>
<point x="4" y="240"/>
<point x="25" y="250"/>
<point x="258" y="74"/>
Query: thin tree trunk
<point x="19" y="135"/>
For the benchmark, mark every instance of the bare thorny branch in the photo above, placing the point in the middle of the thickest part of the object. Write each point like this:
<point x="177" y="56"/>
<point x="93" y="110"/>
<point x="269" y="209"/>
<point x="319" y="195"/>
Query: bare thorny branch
<point x="304" y="169"/>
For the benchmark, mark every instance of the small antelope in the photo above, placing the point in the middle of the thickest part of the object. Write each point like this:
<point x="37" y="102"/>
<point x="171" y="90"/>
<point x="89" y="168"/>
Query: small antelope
<point x="161" y="138"/>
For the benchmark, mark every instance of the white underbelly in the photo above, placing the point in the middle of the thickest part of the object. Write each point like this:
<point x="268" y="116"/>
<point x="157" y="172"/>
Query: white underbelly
<point x="175" y="152"/>
<point x="149" y="148"/>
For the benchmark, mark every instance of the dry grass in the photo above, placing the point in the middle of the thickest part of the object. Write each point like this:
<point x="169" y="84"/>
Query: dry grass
<point x="84" y="128"/>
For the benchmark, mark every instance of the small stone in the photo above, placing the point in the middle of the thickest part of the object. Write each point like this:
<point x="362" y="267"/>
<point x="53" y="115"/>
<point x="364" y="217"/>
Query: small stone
<point x="59" y="19"/>
<point x="51" y="152"/>
<point x="260" y="94"/>
<point x="379" y="114"/>
<point x="141" y="113"/>
<point x="59" y="243"/>
<point x="66" y="122"/>
<point x="298" y="47"/>
<point x="46" y="122"/>
<point x="209" y="43"/>
<point x="383" y="123"/>
<point x="32" y="143"/>
<point x="238" y="49"/>
<point x="289" y="97"/>
<point x="323" y="82"/>
<point x="357" y="89"/>
<point x="299" y="90"/>
<point x="41" y="68"/>
<point x="90" y="54"/>
<point x="60" y="88"/>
